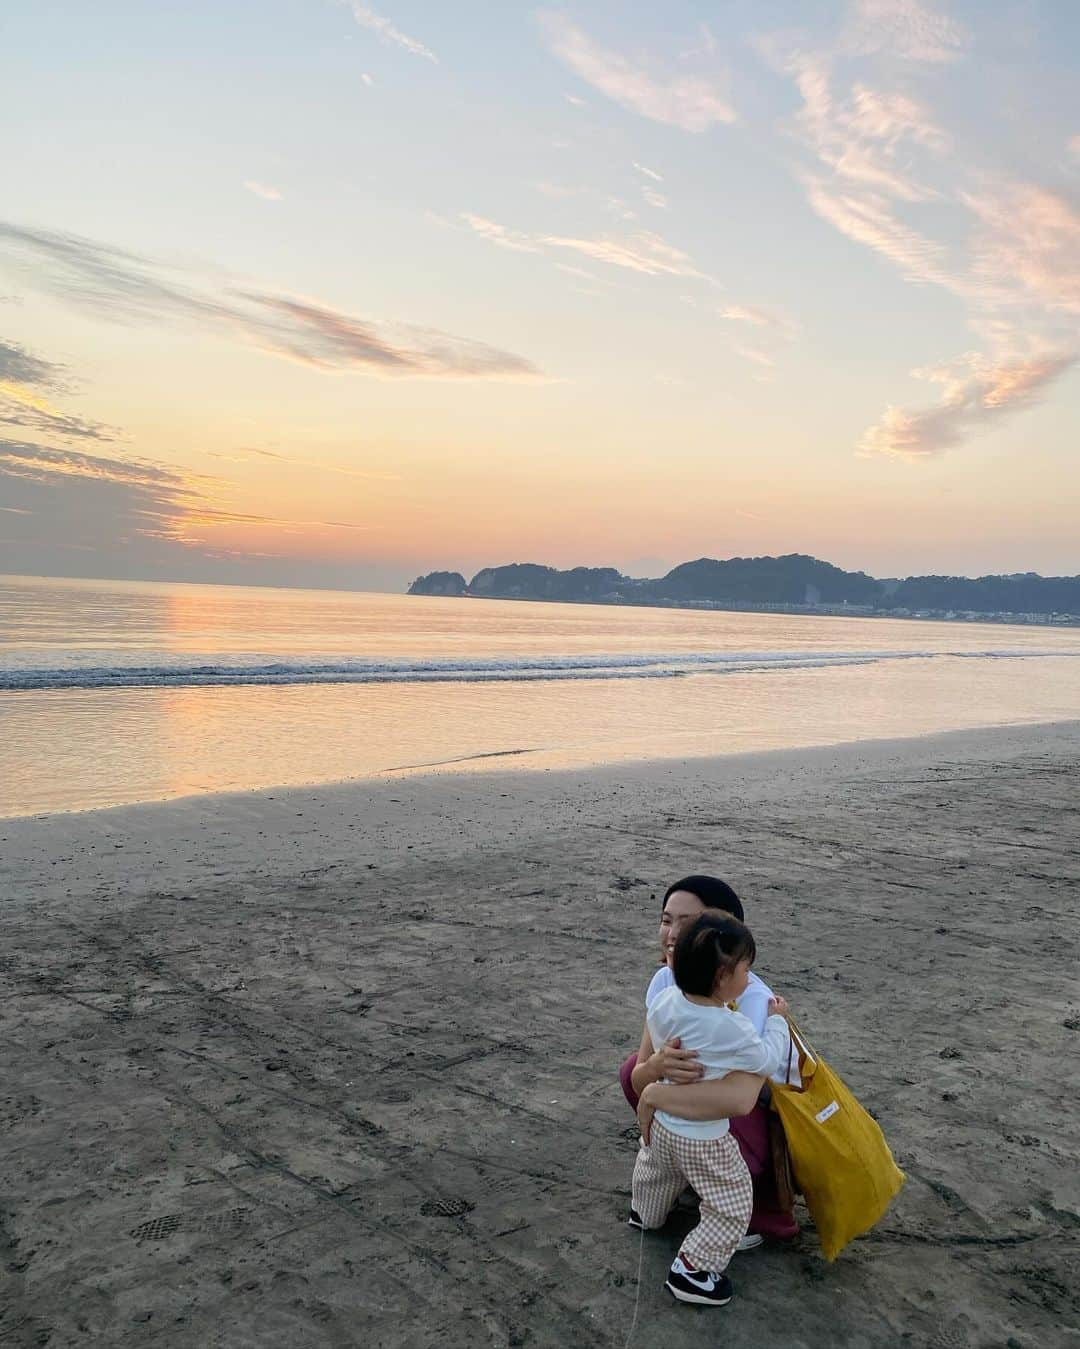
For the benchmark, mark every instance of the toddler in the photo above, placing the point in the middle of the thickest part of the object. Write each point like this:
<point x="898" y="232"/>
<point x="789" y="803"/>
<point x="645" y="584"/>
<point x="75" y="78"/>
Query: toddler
<point x="711" y="964"/>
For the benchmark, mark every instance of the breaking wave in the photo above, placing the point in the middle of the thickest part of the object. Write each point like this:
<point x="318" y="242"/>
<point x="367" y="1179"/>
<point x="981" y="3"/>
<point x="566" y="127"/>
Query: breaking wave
<point x="171" y="673"/>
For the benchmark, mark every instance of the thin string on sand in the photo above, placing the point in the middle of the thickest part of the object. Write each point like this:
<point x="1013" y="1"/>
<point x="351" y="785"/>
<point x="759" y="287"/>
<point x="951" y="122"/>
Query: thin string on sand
<point x="637" y="1295"/>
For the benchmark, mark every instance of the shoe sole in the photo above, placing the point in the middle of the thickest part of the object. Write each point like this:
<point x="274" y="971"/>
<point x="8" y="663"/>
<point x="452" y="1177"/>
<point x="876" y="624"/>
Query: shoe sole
<point x="699" y="1298"/>
<point x="750" y="1244"/>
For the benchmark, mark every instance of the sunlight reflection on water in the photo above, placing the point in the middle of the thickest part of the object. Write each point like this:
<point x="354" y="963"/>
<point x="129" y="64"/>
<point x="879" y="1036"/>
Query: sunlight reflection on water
<point x="76" y="748"/>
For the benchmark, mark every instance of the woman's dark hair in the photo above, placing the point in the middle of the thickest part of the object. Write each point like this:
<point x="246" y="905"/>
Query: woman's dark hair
<point x="713" y="893"/>
<point x="710" y="946"/>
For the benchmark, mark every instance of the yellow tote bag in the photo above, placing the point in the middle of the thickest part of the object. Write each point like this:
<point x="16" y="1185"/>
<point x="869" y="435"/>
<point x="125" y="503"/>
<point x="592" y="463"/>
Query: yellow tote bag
<point x="841" y="1161"/>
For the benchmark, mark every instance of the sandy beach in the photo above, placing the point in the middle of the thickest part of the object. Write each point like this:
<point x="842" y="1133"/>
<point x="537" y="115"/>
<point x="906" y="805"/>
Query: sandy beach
<point x="337" y="1066"/>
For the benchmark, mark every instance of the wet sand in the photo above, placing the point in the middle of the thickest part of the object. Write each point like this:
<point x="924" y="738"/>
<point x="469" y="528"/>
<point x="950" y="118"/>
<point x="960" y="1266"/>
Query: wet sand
<point x="337" y="1066"/>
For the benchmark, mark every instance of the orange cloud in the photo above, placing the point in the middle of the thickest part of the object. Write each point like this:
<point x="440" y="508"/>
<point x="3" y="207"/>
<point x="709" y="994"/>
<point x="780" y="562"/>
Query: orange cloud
<point x="974" y="393"/>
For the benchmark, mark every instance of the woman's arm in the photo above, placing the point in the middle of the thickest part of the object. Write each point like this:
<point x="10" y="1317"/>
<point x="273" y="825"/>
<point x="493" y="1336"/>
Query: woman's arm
<point x="720" y="1098"/>
<point x="678" y="1065"/>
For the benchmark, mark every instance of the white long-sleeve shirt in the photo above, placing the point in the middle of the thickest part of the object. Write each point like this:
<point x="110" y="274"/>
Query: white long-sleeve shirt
<point x="725" y="1042"/>
<point x="753" y="1002"/>
<point x="754" y="1005"/>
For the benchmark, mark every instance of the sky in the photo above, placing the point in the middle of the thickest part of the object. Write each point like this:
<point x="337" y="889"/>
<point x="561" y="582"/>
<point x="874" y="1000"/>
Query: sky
<point x="323" y="293"/>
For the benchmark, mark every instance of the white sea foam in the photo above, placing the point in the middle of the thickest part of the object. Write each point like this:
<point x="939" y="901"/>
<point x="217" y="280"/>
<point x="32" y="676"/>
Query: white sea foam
<point x="172" y="673"/>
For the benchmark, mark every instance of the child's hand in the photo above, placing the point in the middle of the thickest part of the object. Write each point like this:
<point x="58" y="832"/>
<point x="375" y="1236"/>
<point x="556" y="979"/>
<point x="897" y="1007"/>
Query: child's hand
<point x="645" y="1112"/>
<point x="778" y="1007"/>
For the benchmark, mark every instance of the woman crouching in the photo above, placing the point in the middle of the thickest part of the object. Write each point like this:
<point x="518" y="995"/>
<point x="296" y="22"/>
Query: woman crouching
<point x="668" y="1076"/>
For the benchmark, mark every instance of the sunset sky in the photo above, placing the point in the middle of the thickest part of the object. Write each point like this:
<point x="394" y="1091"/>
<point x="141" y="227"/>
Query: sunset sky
<point x="321" y="293"/>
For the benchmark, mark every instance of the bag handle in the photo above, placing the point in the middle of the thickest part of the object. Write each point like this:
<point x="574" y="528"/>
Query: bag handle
<point x="806" y="1052"/>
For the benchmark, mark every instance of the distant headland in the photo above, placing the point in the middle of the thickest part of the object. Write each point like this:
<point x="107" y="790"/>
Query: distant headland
<point x="794" y="583"/>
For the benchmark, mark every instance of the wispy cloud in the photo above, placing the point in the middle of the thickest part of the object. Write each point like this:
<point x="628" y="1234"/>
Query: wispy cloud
<point x="868" y="220"/>
<point x="262" y="190"/>
<point x="1019" y="276"/>
<point x="22" y="459"/>
<point x="22" y="367"/>
<point x="740" y="313"/>
<point x="187" y="527"/>
<point x="123" y="287"/>
<point x="1026" y="247"/>
<point x="620" y="209"/>
<point x="112" y="497"/>
<point x="885" y="174"/>
<point x="579" y="272"/>
<point x="772" y="327"/>
<point x="27" y="382"/>
<point x="29" y="413"/>
<point x="1018" y="270"/>
<point x="872" y="150"/>
<point x="500" y="235"/>
<point x="386" y="31"/>
<point x="861" y="138"/>
<point x="556" y="191"/>
<point x="772" y="331"/>
<point x="974" y="393"/>
<point x="906" y="29"/>
<point x="317" y="335"/>
<point x="249" y="452"/>
<point x="643" y="252"/>
<point x="687" y="101"/>
<point x="655" y="198"/>
<point x="1023" y="240"/>
<point x="649" y="173"/>
<point x="755" y="355"/>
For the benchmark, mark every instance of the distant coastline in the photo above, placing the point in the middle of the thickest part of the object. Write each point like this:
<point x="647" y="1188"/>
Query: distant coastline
<point x="791" y="584"/>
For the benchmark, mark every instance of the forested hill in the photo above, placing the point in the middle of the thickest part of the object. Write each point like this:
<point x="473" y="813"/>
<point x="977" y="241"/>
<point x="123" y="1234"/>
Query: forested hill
<point x="794" y="581"/>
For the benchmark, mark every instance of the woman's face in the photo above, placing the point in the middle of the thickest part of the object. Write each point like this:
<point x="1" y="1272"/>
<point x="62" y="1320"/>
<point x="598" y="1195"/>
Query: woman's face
<point x="680" y="910"/>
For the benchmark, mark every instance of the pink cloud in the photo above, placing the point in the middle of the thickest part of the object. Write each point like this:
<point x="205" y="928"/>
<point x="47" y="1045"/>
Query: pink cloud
<point x="122" y="287"/>
<point x="1027" y="246"/>
<point x="687" y="101"/>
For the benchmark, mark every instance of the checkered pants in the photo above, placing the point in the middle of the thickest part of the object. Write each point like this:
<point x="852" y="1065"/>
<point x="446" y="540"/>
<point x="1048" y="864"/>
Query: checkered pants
<point x="716" y="1170"/>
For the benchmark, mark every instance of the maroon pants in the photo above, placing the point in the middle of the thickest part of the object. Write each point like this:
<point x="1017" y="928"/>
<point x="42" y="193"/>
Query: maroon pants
<point x="751" y="1133"/>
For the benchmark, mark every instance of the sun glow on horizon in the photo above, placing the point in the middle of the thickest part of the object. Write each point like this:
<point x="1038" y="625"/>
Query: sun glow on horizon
<point x="599" y="285"/>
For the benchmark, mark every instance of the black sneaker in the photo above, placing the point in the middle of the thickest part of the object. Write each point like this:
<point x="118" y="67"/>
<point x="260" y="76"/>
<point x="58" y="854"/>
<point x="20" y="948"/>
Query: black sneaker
<point x="635" y="1219"/>
<point x="698" y="1285"/>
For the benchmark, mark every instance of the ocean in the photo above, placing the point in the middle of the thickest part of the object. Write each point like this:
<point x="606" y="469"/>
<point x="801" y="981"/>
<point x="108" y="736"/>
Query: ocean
<point x="118" y="692"/>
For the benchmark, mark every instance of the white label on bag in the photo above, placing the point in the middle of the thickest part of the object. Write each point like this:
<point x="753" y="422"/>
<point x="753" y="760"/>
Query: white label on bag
<point x="827" y="1113"/>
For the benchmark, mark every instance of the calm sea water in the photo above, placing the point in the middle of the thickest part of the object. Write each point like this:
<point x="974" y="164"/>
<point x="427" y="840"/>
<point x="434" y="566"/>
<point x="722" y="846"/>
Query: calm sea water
<point x="114" y="692"/>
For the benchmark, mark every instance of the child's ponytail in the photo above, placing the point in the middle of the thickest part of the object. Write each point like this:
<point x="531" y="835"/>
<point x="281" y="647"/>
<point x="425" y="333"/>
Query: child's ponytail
<point x="710" y="947"/>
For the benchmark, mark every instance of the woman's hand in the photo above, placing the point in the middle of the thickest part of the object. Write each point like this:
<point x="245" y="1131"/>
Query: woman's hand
<point x="676" y="1064"/>
<point x="645" y="1112"/>
<point x="778" y="1006"/>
